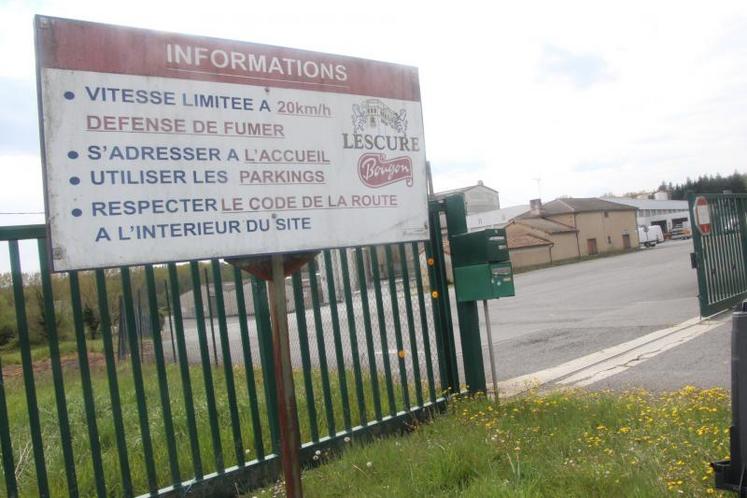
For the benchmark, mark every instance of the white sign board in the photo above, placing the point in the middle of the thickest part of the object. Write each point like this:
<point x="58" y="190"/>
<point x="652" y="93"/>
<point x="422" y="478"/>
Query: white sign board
<point x="163" y="147"/>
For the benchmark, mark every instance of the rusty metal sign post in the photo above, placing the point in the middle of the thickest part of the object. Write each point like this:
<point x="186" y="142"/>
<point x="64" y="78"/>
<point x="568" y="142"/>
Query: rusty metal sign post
<point x="274" y="269"/>
<point x="290" y="438"/>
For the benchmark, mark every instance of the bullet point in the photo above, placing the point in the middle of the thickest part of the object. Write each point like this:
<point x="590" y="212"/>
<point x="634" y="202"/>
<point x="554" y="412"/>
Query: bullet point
<point x="77" y="212"/>
<point x="74" y="180"/>
<point x="69" y="95"/>
<point x="72" y="154"/>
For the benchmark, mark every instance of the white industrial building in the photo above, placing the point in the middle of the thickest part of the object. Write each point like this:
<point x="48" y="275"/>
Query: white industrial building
<point x="667" y="214"/>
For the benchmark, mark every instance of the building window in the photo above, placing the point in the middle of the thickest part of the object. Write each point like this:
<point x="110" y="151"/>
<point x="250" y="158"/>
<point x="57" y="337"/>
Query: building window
<point x="609" y="239"/>
<point x="606" y="214"/>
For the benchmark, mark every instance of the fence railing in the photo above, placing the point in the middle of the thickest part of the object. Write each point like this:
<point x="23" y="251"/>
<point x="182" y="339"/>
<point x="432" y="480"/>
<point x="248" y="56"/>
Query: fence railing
<point x="155" y="380"/>
<point x="721" y="255"/>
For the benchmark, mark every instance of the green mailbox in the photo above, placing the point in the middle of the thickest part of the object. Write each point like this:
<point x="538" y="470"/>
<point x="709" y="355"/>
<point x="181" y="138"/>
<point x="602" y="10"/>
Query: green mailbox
<point x="482" y="267"/>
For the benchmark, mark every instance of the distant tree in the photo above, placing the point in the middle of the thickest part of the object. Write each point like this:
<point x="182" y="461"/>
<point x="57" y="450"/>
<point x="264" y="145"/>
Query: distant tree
<point x="91" y="319"/>
<point x="706" y="184"/>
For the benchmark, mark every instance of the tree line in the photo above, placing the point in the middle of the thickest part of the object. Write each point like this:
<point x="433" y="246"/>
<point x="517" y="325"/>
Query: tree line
<point x="735" y="183"/>
<point x="39" y="323"/>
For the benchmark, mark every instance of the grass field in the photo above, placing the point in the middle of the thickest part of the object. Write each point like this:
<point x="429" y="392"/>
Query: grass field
<point x="21" y="436"/>
<point x="573" y="444"/>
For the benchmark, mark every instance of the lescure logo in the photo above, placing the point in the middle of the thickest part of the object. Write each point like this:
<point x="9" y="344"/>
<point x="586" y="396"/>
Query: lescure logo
<point x="371" y="112"/>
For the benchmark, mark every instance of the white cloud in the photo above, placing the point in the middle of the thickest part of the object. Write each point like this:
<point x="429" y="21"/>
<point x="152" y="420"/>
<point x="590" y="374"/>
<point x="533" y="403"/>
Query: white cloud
<point x="669" y="104"/>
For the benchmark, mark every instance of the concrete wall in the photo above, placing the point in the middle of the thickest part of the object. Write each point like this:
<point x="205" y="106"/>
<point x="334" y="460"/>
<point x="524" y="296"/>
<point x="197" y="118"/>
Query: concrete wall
<point x="530" y="256"/>
<point x="565" y="246"/>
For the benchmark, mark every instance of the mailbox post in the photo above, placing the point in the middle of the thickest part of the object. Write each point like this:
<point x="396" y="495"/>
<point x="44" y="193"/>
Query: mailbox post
<point x="482" y="271"/>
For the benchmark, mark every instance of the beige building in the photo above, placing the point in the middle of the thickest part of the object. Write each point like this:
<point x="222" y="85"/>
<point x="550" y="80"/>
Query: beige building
<point x="528" y="250"/>
<point x="566" y="229"/>
<point x="598" y="226"/>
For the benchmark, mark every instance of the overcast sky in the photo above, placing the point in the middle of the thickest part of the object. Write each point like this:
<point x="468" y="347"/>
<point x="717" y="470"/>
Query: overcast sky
<point x="588" y="97"/>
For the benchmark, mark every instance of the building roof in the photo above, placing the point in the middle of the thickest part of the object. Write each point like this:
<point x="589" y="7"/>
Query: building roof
<point x="523" y="240"/>
<point x="444" y="193"/>
<point x="497" y="218"/>
<point x="650" y="203"/>
<point x="579" y="205"/>
<point x="547" y="226"/>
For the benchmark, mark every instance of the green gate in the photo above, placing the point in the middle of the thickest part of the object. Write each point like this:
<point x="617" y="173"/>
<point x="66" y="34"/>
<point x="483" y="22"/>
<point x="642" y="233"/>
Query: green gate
<point x="720" y="254"/>
<point x="153" y="380"/>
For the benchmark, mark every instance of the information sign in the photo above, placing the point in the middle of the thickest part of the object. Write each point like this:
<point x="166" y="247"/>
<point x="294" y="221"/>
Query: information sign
<point x="165" y="147"/>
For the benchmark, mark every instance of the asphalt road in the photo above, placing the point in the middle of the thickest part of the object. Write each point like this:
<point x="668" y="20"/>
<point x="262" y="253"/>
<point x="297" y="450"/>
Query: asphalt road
<point x="566" y="312"/>
<point x="559" y="314"/>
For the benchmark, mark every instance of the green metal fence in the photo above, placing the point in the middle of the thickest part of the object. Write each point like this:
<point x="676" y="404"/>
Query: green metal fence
<point x="721" y="254"/>
<point x="114" y="395"/>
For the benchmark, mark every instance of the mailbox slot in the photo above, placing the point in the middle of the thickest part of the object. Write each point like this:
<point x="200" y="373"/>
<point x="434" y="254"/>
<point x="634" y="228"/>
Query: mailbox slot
<point x="485" y="281"/>
<point x="486" y="246"/>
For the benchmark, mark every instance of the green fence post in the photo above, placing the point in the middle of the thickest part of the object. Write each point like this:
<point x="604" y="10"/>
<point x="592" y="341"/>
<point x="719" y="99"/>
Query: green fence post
<point x="436" y="260"/>
<point x="207" y="375"/>
<point x="396" y="319"/>
<point x="137" y="376"/>
<point x="424" y="324"/>
<point x="54" y="358"/>
<point x="210" y="315"/>
<point x="264" y="337"/>
<point x="9" y="468"/>
<point x="233" y="409"/>
<point x="28" y="370"/>
<point x="169" y="314"/>
<point x="246" y="349"/>
<point x="85" y="379"/>
<point x="321" y="349"/>
<point x="384" y="343"/>
<point x="303" y="346"/>
<point x="163" y="385"/>
<point x="189" y="410"/>
<point x="411" y="322"/>
<point x="111" y="371"/>
<point x="367" y="328"/>
<point x="339" y="358"/>
<point x="469" y="323"/>
<point x="353" y="337"/>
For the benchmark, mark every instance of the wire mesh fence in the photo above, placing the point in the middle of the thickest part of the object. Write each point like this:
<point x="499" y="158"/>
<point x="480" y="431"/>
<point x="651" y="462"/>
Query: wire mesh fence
<point x="151" y="380"/>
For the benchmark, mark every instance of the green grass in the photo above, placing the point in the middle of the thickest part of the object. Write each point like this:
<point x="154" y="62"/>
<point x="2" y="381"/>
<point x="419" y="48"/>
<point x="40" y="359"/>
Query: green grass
<point x="573" y="444"/>
<point x="21" y="440"/>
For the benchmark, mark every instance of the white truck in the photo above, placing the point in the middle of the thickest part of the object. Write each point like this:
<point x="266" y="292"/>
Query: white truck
<point x="650" y="236"/>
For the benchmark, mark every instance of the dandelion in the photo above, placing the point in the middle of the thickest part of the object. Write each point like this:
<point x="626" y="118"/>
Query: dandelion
<point x="347" y="439"/>
<point x="369" y="464"/>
